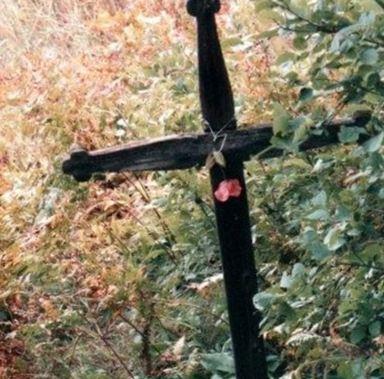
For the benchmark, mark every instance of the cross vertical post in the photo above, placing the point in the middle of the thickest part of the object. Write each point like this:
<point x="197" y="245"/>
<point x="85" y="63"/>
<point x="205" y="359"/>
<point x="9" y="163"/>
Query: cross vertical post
<point x="232" y="216"/>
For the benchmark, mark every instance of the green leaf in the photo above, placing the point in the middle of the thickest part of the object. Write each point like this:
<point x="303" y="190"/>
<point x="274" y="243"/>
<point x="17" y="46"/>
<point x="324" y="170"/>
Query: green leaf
<point x="374" y="143"/>
<point x="375" y="329"/>
<point x="319" y="251"/>
<point x="267" y="15"/>
<point x="333" y="239"/>
<point x="373" y="79"/>
<point x="370" y="56"/>
<point x="216" y="376"/>
<point x="286" y="280"/>
<point x="319" y="214"/>
<point x="298" y="270"/>
<point x="268" y="34"/>
<point x="345" y="370"/>
<point x="285" y="57"/>
<point x="372" y="251"/>
<point x="231" y="42"/>
<point x="218" y="156"/>
<point x="219" y="362"/>
<point x="320" y="200"/>
<point x="358" y="334"/>
<point x="261" y="5"/>
<point x="300" y="134"/>
<point x="306" y="94"/>
<point x="300" y="42"/>
<point x="280" y="119"/>
<point x="349" y="134"/>
<point x="340" y="42"/>
<point x="264" y="300"/>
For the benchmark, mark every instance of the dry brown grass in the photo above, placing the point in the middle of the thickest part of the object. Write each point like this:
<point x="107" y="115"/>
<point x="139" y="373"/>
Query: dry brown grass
<point x="32" y="25"/>
<point x="96" y="73"/>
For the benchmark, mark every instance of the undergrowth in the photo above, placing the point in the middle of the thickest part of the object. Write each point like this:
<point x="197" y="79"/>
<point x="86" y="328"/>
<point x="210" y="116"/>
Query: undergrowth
<point x="121" y="277"/>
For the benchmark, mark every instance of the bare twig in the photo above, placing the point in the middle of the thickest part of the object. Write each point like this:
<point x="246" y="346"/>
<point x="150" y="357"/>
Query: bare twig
<point x="136" y="329"/>
<point x="111" y="348"/>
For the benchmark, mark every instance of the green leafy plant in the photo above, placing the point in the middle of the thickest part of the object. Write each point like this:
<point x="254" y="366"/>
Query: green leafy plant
<point x="321" y="305"/>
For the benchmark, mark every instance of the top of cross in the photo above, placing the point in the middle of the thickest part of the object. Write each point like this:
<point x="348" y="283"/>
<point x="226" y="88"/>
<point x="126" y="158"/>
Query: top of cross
<point x="197" y="8"/>
<point x="184" y="151"/>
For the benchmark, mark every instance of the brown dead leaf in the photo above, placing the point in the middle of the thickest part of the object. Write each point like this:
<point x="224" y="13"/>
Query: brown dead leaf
<point x="205" y="287"/>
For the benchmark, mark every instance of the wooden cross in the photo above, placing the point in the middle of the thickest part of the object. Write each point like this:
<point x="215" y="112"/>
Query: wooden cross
<point x="185" y="151"/>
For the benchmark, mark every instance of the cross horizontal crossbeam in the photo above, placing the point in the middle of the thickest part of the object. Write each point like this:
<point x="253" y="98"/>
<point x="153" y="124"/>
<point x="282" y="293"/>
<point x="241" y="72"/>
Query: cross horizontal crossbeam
<point x="188" y="150"/>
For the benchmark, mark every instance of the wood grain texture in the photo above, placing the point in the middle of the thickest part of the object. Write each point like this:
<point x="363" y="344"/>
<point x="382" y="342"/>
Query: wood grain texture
<point x="188" y="150"/>
<point x="232" y="216"/>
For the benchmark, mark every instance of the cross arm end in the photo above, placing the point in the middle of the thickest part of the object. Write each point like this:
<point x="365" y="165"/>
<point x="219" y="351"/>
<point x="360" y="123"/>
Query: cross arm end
<point x="78" y="164"/>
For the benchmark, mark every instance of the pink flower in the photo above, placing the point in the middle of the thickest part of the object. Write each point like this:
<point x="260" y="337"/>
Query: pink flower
<point x="228" y="188"/>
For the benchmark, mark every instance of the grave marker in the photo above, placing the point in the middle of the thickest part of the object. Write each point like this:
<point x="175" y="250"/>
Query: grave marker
<point x="236" y="146"/>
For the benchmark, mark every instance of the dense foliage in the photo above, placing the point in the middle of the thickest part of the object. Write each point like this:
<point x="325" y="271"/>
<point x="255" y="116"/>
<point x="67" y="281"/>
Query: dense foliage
<point x="120" y="277"/>
<point x="324" y="303"/>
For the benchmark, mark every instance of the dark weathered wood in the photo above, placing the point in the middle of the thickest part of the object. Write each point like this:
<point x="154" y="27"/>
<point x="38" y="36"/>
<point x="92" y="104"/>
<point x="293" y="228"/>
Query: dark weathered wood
<point x="232" y="216"/>
<point x="215" y="89"/>
<point x="188" y="150"/>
